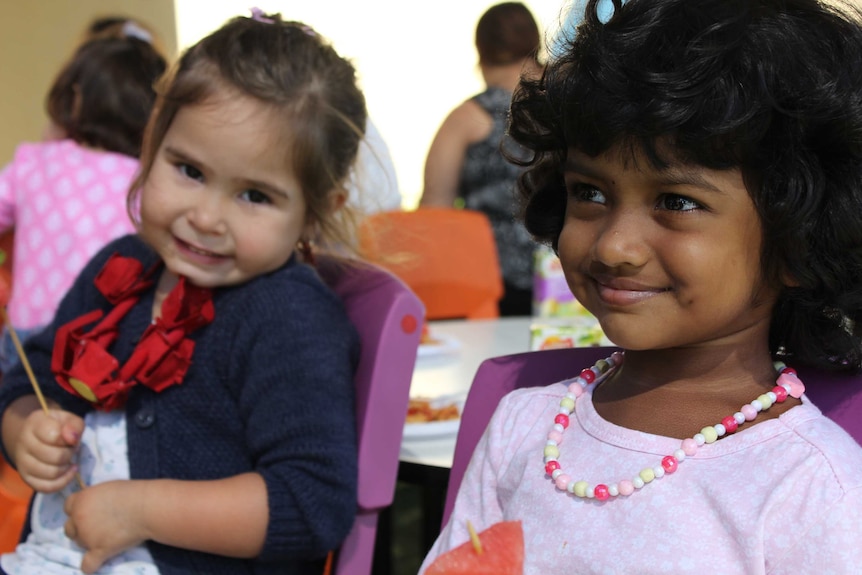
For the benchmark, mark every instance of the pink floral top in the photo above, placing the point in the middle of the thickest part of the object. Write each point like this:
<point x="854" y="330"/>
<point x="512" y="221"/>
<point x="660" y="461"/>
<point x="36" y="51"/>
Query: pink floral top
<point x="783" y="496"/>
<point x="65" y="203"/>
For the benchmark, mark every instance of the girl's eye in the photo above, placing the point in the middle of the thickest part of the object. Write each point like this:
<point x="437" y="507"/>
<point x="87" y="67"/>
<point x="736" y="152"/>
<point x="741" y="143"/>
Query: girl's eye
<point x="586" y="193"/>
<point x="675" y="203"/>
<point x="190" y="172"/>
<point x="255" y="197"/>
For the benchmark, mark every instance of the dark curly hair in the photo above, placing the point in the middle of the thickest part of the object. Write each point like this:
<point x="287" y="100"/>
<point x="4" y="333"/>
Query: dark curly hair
<point x="772" y="87"/>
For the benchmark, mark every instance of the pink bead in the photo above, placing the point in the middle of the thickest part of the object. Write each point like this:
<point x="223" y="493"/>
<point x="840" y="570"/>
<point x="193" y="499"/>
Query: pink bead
<point x="780" y="393"/>
<point x="749" y="412"/>
<point x="601" y="492"/>
<point x="625" y="487"/>
<point x="617" y="356"/>
<point x="588" y="375"/>
<point x="562" y="480"/>
<point x="689" y="446"/>
<point x="576" y="389"/>
<point x="555" y="435"/>
<point x="797" y="388"/>
<point x="788" y="370"/>
<point x="729" y="424"/>
<point x="669" y="463"/>
<point x="562" y="419"/>
<point x="551" y="466"/>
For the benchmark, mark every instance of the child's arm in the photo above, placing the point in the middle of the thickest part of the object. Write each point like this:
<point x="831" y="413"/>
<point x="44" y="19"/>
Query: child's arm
<point x="225" y="517"/>
<point x="41" y="445"/>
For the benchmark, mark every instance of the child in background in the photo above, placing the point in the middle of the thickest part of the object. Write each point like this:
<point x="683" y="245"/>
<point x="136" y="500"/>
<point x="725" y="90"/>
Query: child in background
<point x="698" y="168"/>
<point x="248" y="466"/>
<point x="66" y="198"/>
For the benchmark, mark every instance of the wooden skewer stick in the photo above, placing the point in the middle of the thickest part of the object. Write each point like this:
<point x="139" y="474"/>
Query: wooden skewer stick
<point x="26" y="363"/>
<point x="474" y="538"/>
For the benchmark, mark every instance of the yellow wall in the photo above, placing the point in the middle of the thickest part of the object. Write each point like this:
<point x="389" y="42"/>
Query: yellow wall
<point x="35" y="40"/>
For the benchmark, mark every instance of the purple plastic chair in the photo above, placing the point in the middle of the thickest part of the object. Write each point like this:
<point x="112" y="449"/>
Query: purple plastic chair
<point x="388" y="317"/>
<point x="839" y="396"/>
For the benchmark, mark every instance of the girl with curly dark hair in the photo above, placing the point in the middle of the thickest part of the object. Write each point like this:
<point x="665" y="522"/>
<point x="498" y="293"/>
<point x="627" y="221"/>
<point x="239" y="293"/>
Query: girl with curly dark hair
<point x="697" y="166"/>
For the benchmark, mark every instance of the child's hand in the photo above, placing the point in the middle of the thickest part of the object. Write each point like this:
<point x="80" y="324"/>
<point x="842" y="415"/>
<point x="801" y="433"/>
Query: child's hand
<point x="46" y="447"/>
<point x="105" y="519"/>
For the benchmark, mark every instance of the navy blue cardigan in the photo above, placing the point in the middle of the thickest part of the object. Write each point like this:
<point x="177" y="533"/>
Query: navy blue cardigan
<point x="270" y="390"/>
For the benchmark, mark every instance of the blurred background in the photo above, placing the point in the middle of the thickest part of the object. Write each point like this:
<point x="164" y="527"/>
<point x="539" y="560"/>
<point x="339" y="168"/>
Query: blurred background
<point x="416" y="61"/>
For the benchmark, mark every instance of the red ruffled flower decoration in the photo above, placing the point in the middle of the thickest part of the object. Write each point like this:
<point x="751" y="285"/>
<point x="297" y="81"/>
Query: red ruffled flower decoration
<point x="81" y="361"/>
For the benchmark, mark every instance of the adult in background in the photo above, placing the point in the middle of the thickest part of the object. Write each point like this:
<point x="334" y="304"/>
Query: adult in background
<point x="465" y="165"/>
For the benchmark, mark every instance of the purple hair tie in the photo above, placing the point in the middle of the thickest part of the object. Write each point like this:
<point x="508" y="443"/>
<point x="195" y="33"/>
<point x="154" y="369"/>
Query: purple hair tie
<point x="258" y="14"/>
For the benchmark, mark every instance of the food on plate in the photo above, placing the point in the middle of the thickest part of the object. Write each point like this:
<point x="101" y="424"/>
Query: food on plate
<point x="498" y="550"/>
<point x="426" y="338"/>
<point x="423" y="410"/>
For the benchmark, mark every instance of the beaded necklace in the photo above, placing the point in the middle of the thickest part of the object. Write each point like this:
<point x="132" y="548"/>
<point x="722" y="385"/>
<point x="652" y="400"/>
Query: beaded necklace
<point x="787" y="384"/>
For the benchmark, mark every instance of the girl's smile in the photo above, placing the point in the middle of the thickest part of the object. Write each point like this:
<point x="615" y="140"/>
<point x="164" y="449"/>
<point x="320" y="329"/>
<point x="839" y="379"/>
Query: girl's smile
<point x="624" y="292"/>
<point x="200" y="255"/>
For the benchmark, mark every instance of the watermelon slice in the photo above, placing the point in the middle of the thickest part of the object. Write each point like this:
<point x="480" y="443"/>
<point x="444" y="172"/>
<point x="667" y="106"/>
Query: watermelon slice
<point x="502" y="554"/>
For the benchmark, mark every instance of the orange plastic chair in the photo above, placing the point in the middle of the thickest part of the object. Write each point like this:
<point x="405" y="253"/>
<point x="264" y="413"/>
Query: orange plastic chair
<point x="14" y="493"/>
<point x="447" y="256"/>
<point x="14" y="502"/>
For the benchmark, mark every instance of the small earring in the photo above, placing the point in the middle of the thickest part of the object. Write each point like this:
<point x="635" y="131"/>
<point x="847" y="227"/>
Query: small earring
<point x="305" y="250"/>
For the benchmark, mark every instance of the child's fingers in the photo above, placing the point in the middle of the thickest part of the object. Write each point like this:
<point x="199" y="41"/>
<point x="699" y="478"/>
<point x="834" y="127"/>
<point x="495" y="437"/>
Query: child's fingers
<point x="48" y="480"/>
<point x="71" y="432"/>
<point x="92" y="561"/>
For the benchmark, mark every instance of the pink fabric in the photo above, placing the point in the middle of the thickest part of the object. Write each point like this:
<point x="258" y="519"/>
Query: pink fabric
<point x="781" y="496"/>
<point x="66" y="202"/>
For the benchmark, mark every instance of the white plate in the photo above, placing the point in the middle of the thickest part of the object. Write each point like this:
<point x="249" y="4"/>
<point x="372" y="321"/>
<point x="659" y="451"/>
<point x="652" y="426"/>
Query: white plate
<point x="442" y="345"/>
<point x="433" y="429"/>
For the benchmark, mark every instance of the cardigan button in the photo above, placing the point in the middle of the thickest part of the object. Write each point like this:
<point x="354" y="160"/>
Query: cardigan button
<point x="145" y="418"/>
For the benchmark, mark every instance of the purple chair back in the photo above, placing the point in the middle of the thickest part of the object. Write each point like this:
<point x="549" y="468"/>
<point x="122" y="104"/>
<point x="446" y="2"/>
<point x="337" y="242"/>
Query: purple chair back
<point x="839" y="396"/>
<point x="388" y="317"/>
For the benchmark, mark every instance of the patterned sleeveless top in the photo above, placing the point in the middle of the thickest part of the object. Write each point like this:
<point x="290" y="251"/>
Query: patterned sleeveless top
<point x="487" y="184"/>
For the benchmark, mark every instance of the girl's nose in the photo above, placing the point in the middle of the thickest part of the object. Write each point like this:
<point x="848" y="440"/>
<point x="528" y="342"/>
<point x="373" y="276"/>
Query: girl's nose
<point x="207" y="216"/>
<point x="622" y="240"/>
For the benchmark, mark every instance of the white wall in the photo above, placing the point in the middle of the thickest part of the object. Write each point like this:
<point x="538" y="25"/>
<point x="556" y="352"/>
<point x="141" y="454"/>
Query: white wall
<point x="416" y="60"/>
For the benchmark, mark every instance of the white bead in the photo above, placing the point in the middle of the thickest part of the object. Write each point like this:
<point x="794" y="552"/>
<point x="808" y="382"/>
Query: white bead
<point x="658" y="470"/>
<point x="551" y="442"/>
<point x="719" y="428"/>
<point x="549" y="459"/>
<point x="559" y="427"/>
<point x="564" y="411"/>
<point x="699" y="439"/>
<point x="757" y="405"/>
<point x="771" y="395"/>
<point x="571" y="396"/>
<point x="613" y="490"/>
<point x="596" y="371"/>
<point x="591" y="492"/>
<point x="638" y="482"/>
<point x="556" y="473"/>
<point x="570" y="486"/>
<point x="679" y="454"/>
<point x="581" y="381"/>
<point x="786" y="387"/>
<point x="739" y="417"/>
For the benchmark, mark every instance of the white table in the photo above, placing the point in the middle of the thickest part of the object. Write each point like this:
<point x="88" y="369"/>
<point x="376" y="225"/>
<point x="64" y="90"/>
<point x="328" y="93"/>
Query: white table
<point x="452" y="373"/>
